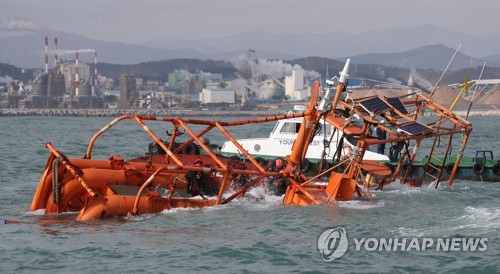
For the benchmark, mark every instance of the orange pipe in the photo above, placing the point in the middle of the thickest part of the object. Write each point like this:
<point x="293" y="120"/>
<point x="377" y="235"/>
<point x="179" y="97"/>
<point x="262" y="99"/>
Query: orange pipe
<point x="201" y="133"/>
<point x="158" y="141"/>
<point x="69" y="167"/>
<point x="243" y="150"/>
<point x="305" y="192"/>
<point x="100" y="132"/>
<point x="44" y="186"/>
<point x="139" y="193"/>
<point x="222" y="187"/>
<point x="207" y="150"/>
<point x="459" y="157"/>
<point x="102" y="206"/>
<point x="336" y="99"/>
<point x="301" y="143"/>
<point x="264" y="119"/>
<point x="242" y="190"/>
<point x="172" y="141"/>
<point x="98" y="179"/>
<point x="324" y="172"/>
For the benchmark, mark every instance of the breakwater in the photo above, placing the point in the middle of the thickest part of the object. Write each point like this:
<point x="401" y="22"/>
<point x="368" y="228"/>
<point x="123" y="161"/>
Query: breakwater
<point x="5" y="112"/>
<point x="174" y="112"/>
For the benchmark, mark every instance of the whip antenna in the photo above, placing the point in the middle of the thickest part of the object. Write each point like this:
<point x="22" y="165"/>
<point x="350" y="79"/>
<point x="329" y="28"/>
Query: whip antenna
<point x="474" y="94"/>
<point x="441" y="78"/>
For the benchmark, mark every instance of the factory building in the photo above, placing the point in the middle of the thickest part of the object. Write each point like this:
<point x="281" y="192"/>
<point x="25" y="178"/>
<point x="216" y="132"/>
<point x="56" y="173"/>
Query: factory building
<point x="56" y="85"/>
<point x="39" y="93"/>
<point x="39" y="86"/>
<point x="294" y="86"/>
<point x="208" y="96"/>
<point x="128" y="91"/>
<point x="68" y="70"/>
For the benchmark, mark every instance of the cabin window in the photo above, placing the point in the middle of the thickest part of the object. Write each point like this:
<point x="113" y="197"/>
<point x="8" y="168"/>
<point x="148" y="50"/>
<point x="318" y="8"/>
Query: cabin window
<point x="290" y="128"/>
<point x="275" y="128"/>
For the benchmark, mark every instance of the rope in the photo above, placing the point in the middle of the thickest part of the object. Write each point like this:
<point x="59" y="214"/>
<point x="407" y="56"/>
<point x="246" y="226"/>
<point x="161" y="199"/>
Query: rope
<point x="56" y="187"/>
<point x="326" y="143"/>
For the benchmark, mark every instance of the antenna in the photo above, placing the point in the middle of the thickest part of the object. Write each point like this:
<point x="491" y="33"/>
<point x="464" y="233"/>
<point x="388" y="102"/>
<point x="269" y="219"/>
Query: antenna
<point x="441" y="78"/>
<point x="473" y="94"/>
<point x="327" y="77"/>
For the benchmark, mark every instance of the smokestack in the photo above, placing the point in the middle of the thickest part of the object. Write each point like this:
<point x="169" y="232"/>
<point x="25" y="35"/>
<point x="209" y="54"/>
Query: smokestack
<point x="77" y="81"/>
<point x="55" y="55"/>
<point x="95" y="73"/>
<point x="46" y="54"/>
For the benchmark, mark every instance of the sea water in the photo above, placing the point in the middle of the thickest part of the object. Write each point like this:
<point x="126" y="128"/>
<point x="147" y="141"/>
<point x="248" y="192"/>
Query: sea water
<point x="254" y="234"/>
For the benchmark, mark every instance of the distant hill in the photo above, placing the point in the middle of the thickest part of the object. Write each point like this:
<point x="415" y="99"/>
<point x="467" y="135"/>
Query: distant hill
<point x="159" y="70"/>
<point x="396" y="47"/>
<point x="28" y="50"/>
<point x="493" y="60"/>
<point x="9" y="72"/>
<point x="427" y="57"/>
<point x="339" y="44"/>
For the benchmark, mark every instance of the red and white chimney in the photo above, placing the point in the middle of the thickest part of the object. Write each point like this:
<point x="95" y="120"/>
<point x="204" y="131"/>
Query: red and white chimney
<point x="46" y="54"/>
<point x="77" y="81"/>
<point x="55" y="55"/>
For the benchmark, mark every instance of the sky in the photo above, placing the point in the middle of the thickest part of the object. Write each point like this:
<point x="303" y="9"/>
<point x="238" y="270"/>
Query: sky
<point x="137" y="22"/>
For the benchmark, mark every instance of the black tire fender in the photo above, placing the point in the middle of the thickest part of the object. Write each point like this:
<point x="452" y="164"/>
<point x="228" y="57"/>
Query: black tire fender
<point x="496" y="169"/>
<point x="449" y="168"/>
<point x="478" y="168"/>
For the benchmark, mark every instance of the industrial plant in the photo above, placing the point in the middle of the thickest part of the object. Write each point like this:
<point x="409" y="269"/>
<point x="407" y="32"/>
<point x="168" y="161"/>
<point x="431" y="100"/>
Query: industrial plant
<point x="73" y="84"/>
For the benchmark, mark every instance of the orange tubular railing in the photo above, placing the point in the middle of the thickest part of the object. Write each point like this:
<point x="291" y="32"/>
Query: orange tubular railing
<point x="71" y="169"/>
<point x="249" y="157"/>
<point x="133" y="212"/>
<point x="158" y="141"/>
<point x="203" y="146"/>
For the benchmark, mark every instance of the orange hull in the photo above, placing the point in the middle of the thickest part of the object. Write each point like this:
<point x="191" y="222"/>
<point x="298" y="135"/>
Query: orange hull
<point x="119" y="205"/>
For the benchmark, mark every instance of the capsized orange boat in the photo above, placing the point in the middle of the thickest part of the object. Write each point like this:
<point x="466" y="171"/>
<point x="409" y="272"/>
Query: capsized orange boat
<point x="116" y="187"/>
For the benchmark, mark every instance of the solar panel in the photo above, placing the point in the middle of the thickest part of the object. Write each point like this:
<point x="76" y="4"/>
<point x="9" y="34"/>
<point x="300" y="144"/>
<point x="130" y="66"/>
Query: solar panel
<point x="374" y="105"/>
<point x="397" y="104"/>
<point x="414" y="128"/>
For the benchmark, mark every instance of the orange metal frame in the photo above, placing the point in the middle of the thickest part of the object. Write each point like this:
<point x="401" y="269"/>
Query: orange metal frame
<point x="301" y="190"/>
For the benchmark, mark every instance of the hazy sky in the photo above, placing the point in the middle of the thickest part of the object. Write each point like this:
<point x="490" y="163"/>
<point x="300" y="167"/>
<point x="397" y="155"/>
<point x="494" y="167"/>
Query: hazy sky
<point x="139" y="21"/>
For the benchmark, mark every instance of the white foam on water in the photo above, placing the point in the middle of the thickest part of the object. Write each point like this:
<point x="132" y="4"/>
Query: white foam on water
<point x="483" y="217"/>
<point x="395" y="186"/>
<point x="176" y="210"/>
<point x="256" y="197"/>
<point x="38" y="212"/>
<point x="409" y="232"/>
<point x="360" y="204"/>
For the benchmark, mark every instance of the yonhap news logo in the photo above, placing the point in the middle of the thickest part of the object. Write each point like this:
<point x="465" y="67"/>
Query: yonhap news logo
<point x="333" y="244"/>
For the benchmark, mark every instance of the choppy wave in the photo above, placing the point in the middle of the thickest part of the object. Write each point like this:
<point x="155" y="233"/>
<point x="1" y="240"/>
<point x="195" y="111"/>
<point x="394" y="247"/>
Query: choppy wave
<point x="254" y="233"/>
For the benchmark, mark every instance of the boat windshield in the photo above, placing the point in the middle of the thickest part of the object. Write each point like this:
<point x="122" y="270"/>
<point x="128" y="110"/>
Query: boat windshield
<point x="290" y="128"/>
<point x="294" y="127"/>
<point x="275" y="128"/>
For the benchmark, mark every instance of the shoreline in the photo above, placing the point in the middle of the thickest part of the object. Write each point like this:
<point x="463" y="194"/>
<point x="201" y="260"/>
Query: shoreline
<point x="13" y="112"/>
<point x="5" y="112"/>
